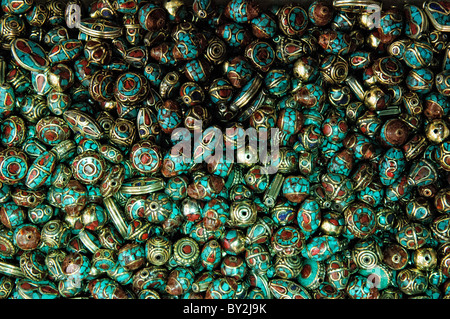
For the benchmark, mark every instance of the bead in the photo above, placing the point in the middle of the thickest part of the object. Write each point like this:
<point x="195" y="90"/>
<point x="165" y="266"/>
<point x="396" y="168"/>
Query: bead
<point x="234" y="34"/>
<point x="158" y="250"/>
<point x="412" y="281"/>
<point x="88" y="167"/>
<point x="413" y="236"/>
<point x="152" y="17"/>
<point x="295" y="188"/>
<point x="27" y="237"/>
<point x="32" y="264"/>
<point x="12" y="215"/>
<point x="179" y="281"/>
<point x="105" y="288"/>
<point x="360" y="220"/>
<point x="29" y="55"/>
<point x="287" y="289"/>
<point x="312" y="274"/>
<point x="131" y="256"/>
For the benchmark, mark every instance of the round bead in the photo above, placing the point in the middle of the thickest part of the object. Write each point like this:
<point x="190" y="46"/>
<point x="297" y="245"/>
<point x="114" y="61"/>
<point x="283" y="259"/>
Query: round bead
<point x="158" y="250"/>
<point x="88" y="167"/>
<point x="287" y="241"/>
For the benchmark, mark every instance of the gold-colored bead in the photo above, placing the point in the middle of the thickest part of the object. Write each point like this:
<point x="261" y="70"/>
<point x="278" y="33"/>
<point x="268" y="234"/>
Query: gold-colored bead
<point x="425" y="259"/>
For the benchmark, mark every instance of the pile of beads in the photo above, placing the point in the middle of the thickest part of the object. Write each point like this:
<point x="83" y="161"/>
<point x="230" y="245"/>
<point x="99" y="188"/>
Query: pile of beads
<point x="98" y="199"/>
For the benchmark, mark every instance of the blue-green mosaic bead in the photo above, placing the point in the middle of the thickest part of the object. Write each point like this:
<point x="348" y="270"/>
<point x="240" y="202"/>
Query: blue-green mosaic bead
<point x="359" y="288"/>
<point x="29" y="289"/>
<point x="131" y="256"/>
<point x="197" y="70"/>
<point x="94" y="216"/>
<point x="413" y="235"/>
<point x="105" y="288"/>
<point x="104" y="260"/>
<point x="13" y="131"/>
<point x="179" y="281"/>
<point x="154" y="73"/>
<point x="372" y="194"/>
<point x="12" y="215"/>
<point x="391" y="166"/>
<point x="312" y="274"/>
<point x="87" y="144"/>
<point x="277" y="81"/>
<point x="84" y="70"/>
<point x="334" y="128"/>
<point x="215" y="213"/>
<point x="322" y="247"/>
<point x="76" y="266"/>
<point x="41" y="170"/>
<point x="423" y="172"/>
<point x="283" y="213"/>
<point x="234" y="34"/>
<point x="343" y="21"/>
<point x="211" y="255"/>
<point x="360" y="220"/>
<point x="261" y="54"/>
<point x="176" y="187"/>
<point x="28" y="54"/>
<point x="295" y="188"/>
<point x="52" y="130"/>
<point x="400" y="189"/>
<point x="65" y="51"/>
<point x="309" y="217"/>
<point x="40" y="214"/>
<point x="258" y="258"/>
<point x="335" y="42"/>
<point x="88" y="167"/>
<point x="391" y="23"/>
<point x="264" y="26"/>
<point x="292" y="20"/>
<point x="416" y="21"/>
<point x="288" y="240"/>
<point x="158" y="207"/>
<point x="222" y="288"/>
<point x="287" y="289"/>
<point x="241" y="11"/>
<point x="418" y="55"/>
<point x="8" y="100"/>
<point x="82" y="123"/>
<point x="421" y="80"/>
<point x="233" y="266"/>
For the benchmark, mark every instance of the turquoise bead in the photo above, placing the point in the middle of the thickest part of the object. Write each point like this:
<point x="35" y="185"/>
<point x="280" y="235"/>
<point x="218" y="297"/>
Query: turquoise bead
<point x="418" y="55"/>
<point x="320" y="248"/>
<point x="211" y="255"/>
<point x="311" y="274"/>
<point x="309" y="217"/>
<point x="105" y="288"/>
<point x="416" y="21"/>
<point x="391" y="166"/>
<point x="277" y="81"/>
<point x="65" y="51"/>
<point x="420" y="80"/>
<point x="41" y="214"/>
<point x="222" y="288"/>
<point x="295" y="188"/>
<point x="131" y="256"/>
<point x="287" y="289"/>
<point x="12" y="215"/>
<point x="234" y="34"/>
<point x="264" y="26"/>
<point x="29" y="55"/>
<point x="7" y="99"/>
<point x="52" y="130"/>
<point x="41" y="170"/>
